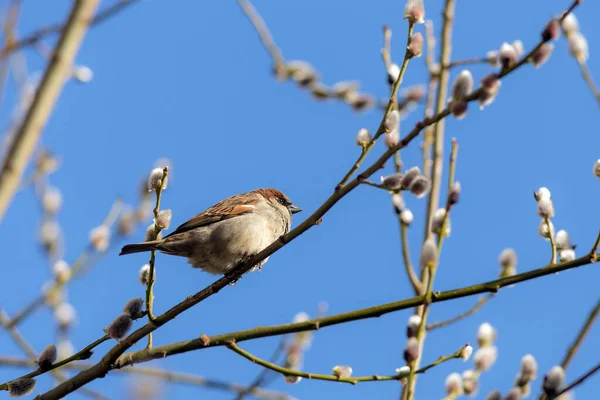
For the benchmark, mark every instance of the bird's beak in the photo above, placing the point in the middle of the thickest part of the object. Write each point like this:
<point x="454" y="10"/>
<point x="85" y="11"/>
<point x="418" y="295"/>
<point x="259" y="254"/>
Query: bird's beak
<point x="293" y="209"/>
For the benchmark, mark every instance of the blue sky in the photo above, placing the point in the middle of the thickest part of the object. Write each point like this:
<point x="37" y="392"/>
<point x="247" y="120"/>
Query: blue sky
<point x="190" y="81"/>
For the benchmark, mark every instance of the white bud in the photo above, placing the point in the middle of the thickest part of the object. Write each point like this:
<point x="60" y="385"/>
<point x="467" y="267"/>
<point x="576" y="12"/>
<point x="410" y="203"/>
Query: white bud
<point x="486" y="334"/>
<point x="301" y="317"/>
<point x="545" y="208"/>
<point x="566" y="255"/>
<point x="61" y="271"/>
<point x="398" y="203"/>
<point x="409" y="177"/>
<point x="411" y="350"/>
<point x="470" y="381"/>
<point x="438" y="220"/>
<point x="507" y="55"/>
<point x="292" y="379"/>
<point x="392" y="121"/>
<point x="518" y="46"/>
<point x="492" y="58"/>
<point x="415" y="11"/>
<point x="344" y="89"/>
<point x="578" y="47"/>
<point x="414" y="322"/>
<point x="508" y="258"/>
<point x="164" y="219"/>
<point x="420" y="186"/>
<point x="554" y="381"/>
<point x="151" y="233"/>
<point x="393" y="72"/>
<point x="570" y="24"/>
<point x="485" y="357"/>
<point x="406" y="217"/>
<point x="363" y="137"/>
<point x="64" y="314"/>
<point x="466" y="352"/>
<point x="463" y="85"/>
<point x="100" y="238"/>
<point x="65" y="349"/>
<point x="528" y="367"/>
<point x="391" y="139"/>
<point x="428" y="253"/>
<point x="342" y="371"/>
<point x="52" y="200"/>
<point x="544" y="231"/>
<point x="453" y="384"/>
<point x="543" y="193"/>
<point x="144" y="274"/>
<point x="597" y="168"/>
<point x="562" y="240"/>
<point x="403" y="373"/>
<point x="155" y="179"/>
<point x="82" y="73"/>
<point x="514" y="394"/>
<point x="49" y="233"/>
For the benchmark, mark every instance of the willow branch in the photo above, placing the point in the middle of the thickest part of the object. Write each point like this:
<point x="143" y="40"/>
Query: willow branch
<point x="468" y="61"/>
<point x="336" y="319"/>
<point x="35" y="37"/>
<point x="334" y="378"/>
<point x="480" y="303"/>
<point x="551" y="240"/>
<point x="58" y="70"/>
<point x="174" y="377"/>
<point x="410" y="270"/>
<point x="431" y="90"/>
<point x="581" y="336"/>
<point x="579" y="381"/>
<point x="587" y="76"/>
<point x="262" y="376"/>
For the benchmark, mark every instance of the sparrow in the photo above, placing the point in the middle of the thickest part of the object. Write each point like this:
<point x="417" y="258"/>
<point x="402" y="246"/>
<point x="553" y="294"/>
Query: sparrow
<point x="229" y="232"/>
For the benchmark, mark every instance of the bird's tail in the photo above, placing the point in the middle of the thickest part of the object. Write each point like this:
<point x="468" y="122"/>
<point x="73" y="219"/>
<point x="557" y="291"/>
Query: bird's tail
<point x="140" y="247"/>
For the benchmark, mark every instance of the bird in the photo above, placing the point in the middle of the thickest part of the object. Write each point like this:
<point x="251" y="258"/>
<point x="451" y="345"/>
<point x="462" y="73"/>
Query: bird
<point x="227" y="233"/>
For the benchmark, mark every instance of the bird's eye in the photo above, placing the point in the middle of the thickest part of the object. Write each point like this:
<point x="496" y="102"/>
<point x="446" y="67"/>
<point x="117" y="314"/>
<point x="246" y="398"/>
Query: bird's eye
<point x="281" y="201"/>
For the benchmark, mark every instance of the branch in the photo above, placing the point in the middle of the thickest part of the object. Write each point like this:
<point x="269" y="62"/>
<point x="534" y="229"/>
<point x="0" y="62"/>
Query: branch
<point x="587" y="76"/>
<point x="59" y="68"/>
<point x="414" y="279"/>
<point x="578" y="381"/>
<point x="262" y="376"/>
<point x="470" y="311"/>
<point x="369" y="378"/>
<point x="174" y="377"/>
<point x="468" y="61"/>
<point x="582" y="334"/>
<point x="551" y="239"/>
<point x="319" y="323"/>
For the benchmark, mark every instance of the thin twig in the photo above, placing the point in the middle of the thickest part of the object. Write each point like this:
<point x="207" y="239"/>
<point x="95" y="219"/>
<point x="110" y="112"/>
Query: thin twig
<point x="352" y="380"/>
<point x="262" y="376"/>
<point x="410" y="271"/>
<point x="468" y="61"/>
<point x="551" y="239"/>
<point x="470" y="311"/>
<point x="587" y="76"/>
<point x="431" y="90"/>
<point x="581" y="336"/>
<point x="28" y="133"/>
<point x="578" y="381"/>
<point x="9" y="34"/>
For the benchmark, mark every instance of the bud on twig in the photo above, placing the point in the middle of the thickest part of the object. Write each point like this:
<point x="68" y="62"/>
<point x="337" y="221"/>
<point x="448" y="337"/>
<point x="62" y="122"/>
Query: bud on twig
<point x="554" y="381"/>
<point x="551" y="31"/>
<point x="545" y="208"/>
<point x="454" y="194"/>
<point x="485" y="357"/>
<point x="411" y="351"/>
<point x="406" y="217"/>
<point x="47" y="357"/>
<point x="490" y="85"/>
<point x="414" y="11"/>
<point x="342" y="371"/>
<point x="470" y="381"/>
<point x="597" y="168"/>
<point x="363" y="137"/>
<point x="119" y="327"/>
<point x="393" y="73"/>
<point x="486" y="335"/>
<point x="454" y="384"/>
<point x="100" y="238"/>
<point x="164" y="219"/>
<point x="546" y="230"/>
<point x="392" y="182"/>
<point x="578" y="47"/>
<point x="466" y="352"/>
<point x="409" y="177"/>
<point x="542" y="55"/>
<point x="414" y="322"/>
<point x="52" y="200"/>
<point x="64" y="315"/>
<point x="144" y="274"/>
<point x="415" y="46"/>
<point x="420" y="186"/>
<point x="398" y="203"/>
<point x="570" y="24"/>
<point x="21" y="387"/>
<point x="133" y="307"/>
<point x="428" y="254"/>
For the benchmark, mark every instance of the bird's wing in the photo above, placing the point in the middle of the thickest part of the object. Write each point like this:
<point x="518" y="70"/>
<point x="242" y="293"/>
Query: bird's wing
<point x="231" y="207"/>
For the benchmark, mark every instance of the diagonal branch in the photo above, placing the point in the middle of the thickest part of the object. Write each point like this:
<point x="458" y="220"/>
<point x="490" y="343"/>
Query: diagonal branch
<point x="581" y="336"/>
<point x="470" y="311"/>
<point x="579" y="381"/>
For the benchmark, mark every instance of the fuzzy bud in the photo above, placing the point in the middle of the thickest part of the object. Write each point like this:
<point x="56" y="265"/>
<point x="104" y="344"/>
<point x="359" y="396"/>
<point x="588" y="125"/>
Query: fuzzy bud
<point x="597" y="168"/>
<point x="554" y="381"/>
<point x="420" y="186"/>
<point x="570" y="24"/>
<point x="392" y="182"/>
<point x="428" y="254"/>
<point x="363" y="137"/>
<point x="100" y="238"/>
<point x="403" y="373"/>
<point x="392" y="121"/>
<point x="490" y="85"/>
<point x="566" y="255"/>
<point x="458" y="109"/>
<point x="546" y="230"/>
<point x="411" y="351"/>
<point x="507" y="55"/>
<point x="21" y="387"/>
<point x="292" y="379"/>
<point x="144" y="274"/>
<point x="562" y="240"/>
<point x="409" y="177"/>
<point x="359" y="101"/>
<point x="151" y="233"/>
<point x="542" y="193"/>
<point x="164" y="219"/>
<point x="414" y="322"/>
<point x="126" y="223"/>
<point x="64" y="314"/>
<point x="551" y="31"/>
<point x="495" y="395"/>
<point x="485" y="357"/>
<point x="508" y="258"/>
<point x="119" y="327"/>
<point x="155" y="179"/>
<point x="486" y="334"/>
<point x="406" y="217"/>
<point x="342" y="371"/>
<point x="52" y="200"/>
<point x="414" y="93"/>
<point x="65" y="349"/>
<point x="61" y="271"/>
<point x="542" y="55"/>
<point x="319" y="91"/>
<point x="398" y="203"/>
<point x="528" y="367"/>
<point x="50" y="235"/>
<point x="454" y="384"/>
<point x="133" y="307"/>
<point x="393" y="73"/>
<point x="391" y="139"/>
<point x="463" y="85"/>
<point x="454" y="194"/>
<point x="47" y="357"/>
<point x="492" y="58"/>
<point x="342" y="90"/>
<point x="466" y="352"/>
<point x="518" y="46"/>
<point x="438" y="220"/>
<point x="414" y="11"/>
<point x="578" y="47"/>
<point x="514" y="394"/>
<point x="470" y="380"/>
<point x="415" y="46"/>
<point x="545" y="208"/>
<point x="302" y="72"/>
<point x="82" y="74"/>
